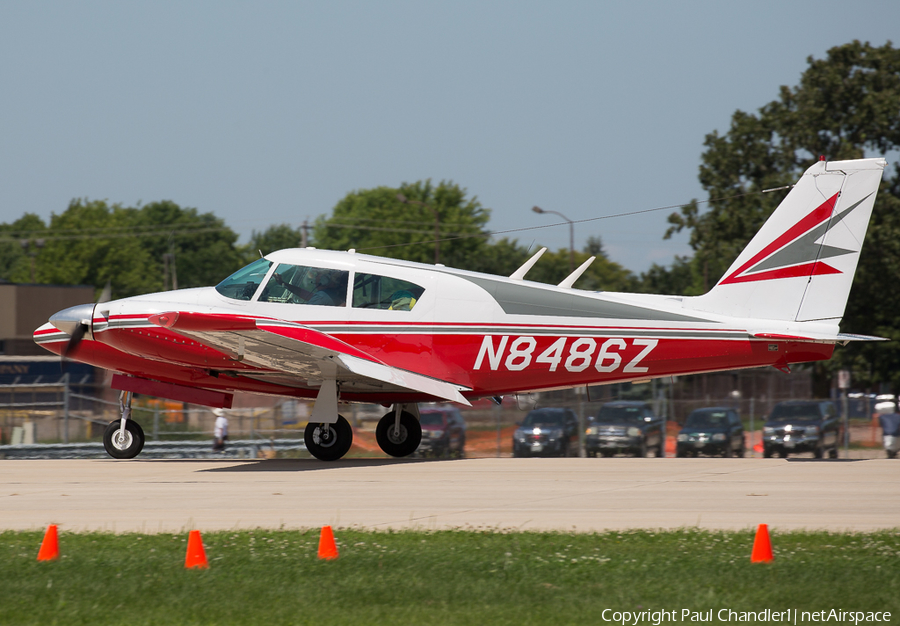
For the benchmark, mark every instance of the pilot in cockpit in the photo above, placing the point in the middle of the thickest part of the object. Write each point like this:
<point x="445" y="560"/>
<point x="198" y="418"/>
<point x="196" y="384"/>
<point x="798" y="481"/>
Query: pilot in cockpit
<point x="331" y="287"/>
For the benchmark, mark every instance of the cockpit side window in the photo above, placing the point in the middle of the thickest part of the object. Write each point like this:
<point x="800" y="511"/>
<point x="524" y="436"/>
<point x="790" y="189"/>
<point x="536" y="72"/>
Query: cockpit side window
<point x="371" y="291"/>
<point x="243" y="283"/>
<point x="298" y="284"/>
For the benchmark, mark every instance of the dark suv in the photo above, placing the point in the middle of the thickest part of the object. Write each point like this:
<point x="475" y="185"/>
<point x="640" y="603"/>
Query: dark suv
<point x="443" y="432"/>
<point x="802" y="426"/>
<point x="547" y="432"/>
<point x="715" y="430"/>
<point x="629" y="427"/>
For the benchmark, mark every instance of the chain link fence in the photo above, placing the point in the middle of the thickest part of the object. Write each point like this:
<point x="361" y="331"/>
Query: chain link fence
<point x="72" y="412"/>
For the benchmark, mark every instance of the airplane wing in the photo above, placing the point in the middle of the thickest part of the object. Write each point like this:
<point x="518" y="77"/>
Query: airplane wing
<point x="296" y="355"/>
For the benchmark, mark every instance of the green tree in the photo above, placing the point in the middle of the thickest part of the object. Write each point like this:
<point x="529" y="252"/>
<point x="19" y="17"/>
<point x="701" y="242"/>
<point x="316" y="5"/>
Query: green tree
<point x="601" y="275"/>
<point x="92" y="243"/>
<point x="846" y="106"/>
<point x="676" y="280"/>
<point x="277" y="237"/>
<point x="204" y="248"/>
<point x="15" y="259"/>
<point x="376" y="221"/>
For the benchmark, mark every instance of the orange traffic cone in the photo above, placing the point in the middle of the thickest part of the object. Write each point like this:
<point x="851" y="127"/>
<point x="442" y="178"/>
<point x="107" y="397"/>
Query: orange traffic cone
<point x="327" y="547"/>
<point x="762" y="547"/>
<point x="196" y="555"/>
<point x="50" y="545"/>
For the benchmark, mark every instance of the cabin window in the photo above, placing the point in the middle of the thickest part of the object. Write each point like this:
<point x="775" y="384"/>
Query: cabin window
<point x="298" y="284"/>
<point x="371" y="291"/>
<point x="243" y="283"/>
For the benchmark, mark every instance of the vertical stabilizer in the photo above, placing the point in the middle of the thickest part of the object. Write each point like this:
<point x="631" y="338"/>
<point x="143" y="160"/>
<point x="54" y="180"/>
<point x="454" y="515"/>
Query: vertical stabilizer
<point x="800" y="265"/>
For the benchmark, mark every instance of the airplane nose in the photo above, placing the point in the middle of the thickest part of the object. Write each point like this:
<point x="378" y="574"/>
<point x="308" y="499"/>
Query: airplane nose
<point x="69" y="319"/>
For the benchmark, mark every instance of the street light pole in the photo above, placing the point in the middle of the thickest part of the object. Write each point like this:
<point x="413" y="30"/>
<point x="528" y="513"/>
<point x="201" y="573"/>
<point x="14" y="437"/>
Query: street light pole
<point x="538" y="209"/>
<point x="437" y="240"/>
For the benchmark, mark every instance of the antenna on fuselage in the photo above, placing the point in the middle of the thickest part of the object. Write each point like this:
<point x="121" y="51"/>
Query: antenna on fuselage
<point x="569" y="280"/>
<point x="519" y="274"/>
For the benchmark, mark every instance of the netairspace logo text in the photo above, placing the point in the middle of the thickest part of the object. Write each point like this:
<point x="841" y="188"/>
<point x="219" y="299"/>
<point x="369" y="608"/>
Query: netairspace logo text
<point x="788" y="616"/>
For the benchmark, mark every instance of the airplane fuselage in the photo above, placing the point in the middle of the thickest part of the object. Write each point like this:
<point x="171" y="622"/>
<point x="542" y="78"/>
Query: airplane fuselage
<point x="486" y="335"/>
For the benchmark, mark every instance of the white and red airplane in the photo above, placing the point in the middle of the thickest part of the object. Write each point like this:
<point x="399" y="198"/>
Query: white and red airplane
<point x="342" y="326"/>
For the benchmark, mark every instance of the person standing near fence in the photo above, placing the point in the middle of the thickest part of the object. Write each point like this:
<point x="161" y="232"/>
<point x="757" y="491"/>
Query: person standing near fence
<point x="220" y="430"/>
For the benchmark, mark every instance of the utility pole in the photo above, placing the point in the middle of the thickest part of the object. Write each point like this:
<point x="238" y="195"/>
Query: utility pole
<point x="31" y="249"/>
<point x="169" y="267"/>
<point x="304" y="233"/>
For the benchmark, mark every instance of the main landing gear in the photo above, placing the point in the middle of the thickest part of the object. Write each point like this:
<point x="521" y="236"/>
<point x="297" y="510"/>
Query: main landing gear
<point x="329" y="442"/>
<point x="124" y="438"/>
<point x="399" y="433"/>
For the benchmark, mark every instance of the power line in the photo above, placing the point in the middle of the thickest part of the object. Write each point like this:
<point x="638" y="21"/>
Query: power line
<point x="590" y="219"/>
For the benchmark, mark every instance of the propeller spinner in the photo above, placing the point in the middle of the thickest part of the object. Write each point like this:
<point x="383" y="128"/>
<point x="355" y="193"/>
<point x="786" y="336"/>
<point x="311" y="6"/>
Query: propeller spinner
<point x="75" y="322"/>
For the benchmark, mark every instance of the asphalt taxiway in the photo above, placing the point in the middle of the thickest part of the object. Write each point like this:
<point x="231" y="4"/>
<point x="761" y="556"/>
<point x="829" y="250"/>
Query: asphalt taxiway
<point x="533" y="494"/>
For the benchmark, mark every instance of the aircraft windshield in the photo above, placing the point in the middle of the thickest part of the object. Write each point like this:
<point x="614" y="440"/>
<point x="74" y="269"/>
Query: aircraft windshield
<point x="298" y="284"/>
<point x="243" y="283"/>
<point x="620" y="414"/>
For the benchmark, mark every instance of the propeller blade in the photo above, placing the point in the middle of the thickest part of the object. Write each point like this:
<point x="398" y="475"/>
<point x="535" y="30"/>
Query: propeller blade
<point x="106" y="294"/>
<point x="77" y="335"/>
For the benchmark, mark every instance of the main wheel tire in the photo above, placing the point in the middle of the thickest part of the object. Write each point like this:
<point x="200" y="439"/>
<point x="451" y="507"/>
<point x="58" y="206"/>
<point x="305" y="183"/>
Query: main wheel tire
<point x="399" y="444"/>
<point x="126" y="446"/>
<point x="329" y="442"/>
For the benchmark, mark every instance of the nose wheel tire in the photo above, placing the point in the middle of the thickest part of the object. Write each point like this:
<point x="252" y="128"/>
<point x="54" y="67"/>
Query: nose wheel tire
<point x="402" y="443"/>
<point x="329" y="442"/>
<point x="125" y="445"/>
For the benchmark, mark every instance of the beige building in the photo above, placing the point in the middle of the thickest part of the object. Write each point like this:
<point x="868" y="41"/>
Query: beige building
<point x="23" y="308"/>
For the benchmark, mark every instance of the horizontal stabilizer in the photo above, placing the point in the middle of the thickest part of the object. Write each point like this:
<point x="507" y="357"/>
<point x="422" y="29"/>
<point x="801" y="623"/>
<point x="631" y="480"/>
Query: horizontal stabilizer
<point x="816" y="337"/>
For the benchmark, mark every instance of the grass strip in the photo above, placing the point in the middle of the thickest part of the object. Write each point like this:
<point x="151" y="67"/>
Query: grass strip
<point x="439" y="577"/>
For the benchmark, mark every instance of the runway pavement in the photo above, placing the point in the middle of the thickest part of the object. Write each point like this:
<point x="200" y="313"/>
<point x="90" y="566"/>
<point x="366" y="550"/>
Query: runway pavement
<point x="534" y="494"/>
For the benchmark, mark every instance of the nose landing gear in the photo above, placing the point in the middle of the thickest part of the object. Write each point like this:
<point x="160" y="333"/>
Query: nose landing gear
<point x="124" y="438"/>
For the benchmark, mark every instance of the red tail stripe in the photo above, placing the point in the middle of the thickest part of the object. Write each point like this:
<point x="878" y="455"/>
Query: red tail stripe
<point x="816" y="217"/>
<point x="807" y="269"/>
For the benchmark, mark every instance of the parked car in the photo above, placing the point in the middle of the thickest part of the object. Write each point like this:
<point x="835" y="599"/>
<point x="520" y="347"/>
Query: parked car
<point x="802" y="426"/>
<point x="443" y="432"/>
<point x="547" y="432"/>
<point x="715" y="430"/>
<point x="629" y="427"/>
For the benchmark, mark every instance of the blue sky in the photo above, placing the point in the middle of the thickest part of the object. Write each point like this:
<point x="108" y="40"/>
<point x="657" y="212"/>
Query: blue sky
<point x="266" y="113"/>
